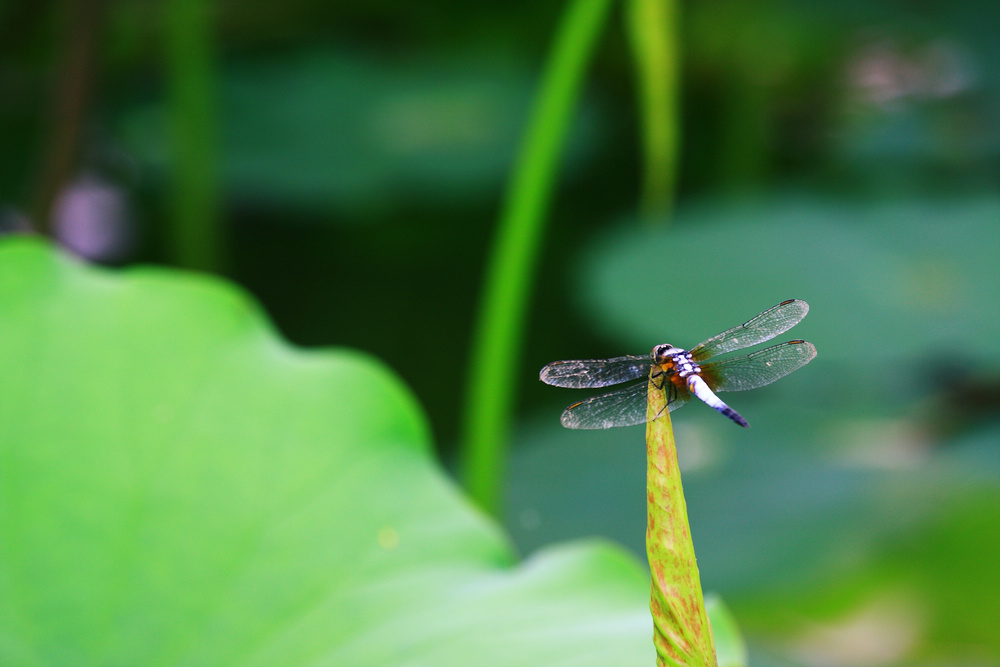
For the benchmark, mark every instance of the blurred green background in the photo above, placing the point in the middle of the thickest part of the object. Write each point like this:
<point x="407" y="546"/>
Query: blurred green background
<point x="346" y="163"/>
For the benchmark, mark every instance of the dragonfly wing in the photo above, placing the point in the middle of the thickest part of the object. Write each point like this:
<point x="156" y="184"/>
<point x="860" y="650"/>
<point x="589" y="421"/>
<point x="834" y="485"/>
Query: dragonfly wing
<point x="595" y="372"/>
<point x="622" y="407"/>
<point x="759" y="368"/>
<point x="767" y="325"/>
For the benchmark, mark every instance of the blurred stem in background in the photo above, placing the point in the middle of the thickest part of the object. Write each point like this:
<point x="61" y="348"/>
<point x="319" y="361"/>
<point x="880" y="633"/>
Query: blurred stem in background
<point x="743" y="161"/>
<point x="195" y="225"/>
<point x="652" y="31"/>
<point x="497" y="338"/>
<point x="70" y="101"/>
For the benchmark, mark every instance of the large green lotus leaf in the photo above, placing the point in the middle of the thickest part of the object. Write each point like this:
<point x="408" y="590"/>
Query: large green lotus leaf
<point x="180" y="487"/>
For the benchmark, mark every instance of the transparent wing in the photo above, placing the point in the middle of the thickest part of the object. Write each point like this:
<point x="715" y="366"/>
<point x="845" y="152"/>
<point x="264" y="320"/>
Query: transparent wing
<point x="622" y="407"/>
<point x="765" y="326"/>
<point x="759" y="368"/>
<point x="595" y="372"/>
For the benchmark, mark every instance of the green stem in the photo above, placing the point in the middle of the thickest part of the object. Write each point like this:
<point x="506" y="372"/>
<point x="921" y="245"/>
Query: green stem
<point x="499" y="329"/>
<point x="195" y="222"/>
<point x="682" y="633"/>
<point x="652" y="29"/>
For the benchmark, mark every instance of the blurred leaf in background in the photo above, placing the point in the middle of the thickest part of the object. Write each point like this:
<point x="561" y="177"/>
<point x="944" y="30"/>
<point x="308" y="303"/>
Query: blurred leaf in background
<point x="891" y="279"/>
<point x="357" y="137"/>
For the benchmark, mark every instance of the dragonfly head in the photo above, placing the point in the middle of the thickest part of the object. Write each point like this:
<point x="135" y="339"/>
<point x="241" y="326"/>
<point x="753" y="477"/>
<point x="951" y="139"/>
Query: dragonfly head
<point x="661" y="353"/>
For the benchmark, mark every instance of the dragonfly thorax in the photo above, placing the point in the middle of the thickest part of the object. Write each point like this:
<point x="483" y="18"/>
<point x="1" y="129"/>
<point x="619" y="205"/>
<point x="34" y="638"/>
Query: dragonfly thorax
<point x="675" y="360"/>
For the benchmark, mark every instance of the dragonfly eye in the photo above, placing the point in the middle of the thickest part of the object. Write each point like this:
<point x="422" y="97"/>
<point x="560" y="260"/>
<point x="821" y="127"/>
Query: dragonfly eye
<point x="661" y="351"/>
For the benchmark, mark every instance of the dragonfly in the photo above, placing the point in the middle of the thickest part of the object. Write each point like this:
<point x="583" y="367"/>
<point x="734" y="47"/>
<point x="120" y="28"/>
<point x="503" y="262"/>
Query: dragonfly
<point x="683" y="373"/>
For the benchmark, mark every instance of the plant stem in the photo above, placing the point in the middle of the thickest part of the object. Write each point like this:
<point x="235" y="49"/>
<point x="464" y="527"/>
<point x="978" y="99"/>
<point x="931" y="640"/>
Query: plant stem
<point x="500" y="326"/>
<point x="196" y="235"/>
<point x="652" y="29"/>
<point x="682" y="633"/>
<point x="71" y="100"/>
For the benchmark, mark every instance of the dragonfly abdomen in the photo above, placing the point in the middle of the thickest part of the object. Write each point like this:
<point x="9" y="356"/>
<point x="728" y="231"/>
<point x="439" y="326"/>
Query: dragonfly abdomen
<point x="700" y="388"/>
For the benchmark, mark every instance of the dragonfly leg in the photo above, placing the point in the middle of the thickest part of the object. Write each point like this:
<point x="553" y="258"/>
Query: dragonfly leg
<point x="671" y="392"/>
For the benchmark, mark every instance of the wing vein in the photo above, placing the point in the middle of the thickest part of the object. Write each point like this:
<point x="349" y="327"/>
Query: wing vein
<point x="772" y="322"/>
<point x="758" y="368"/>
